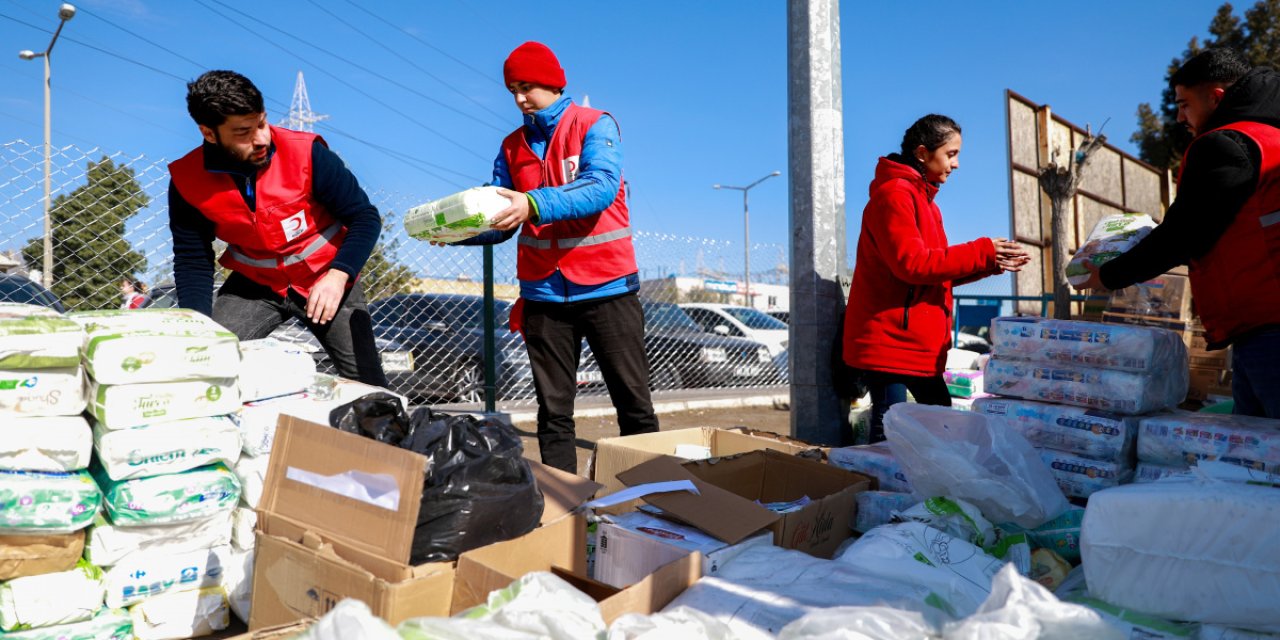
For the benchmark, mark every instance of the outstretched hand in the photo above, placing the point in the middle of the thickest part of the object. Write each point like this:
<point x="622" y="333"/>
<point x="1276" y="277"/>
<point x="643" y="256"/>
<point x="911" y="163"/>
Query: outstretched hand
<point x="1010" y="256"/>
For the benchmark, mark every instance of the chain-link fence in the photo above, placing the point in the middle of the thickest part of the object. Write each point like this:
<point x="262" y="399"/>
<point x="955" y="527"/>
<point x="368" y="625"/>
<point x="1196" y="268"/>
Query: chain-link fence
<point x="110" y="221"/>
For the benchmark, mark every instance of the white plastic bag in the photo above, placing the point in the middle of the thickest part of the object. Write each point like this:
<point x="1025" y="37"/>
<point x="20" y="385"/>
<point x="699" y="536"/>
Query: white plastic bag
<point x="539" y="605"/>
<point x="349" y="620"/>
<point x="975" y="458"/>
<point x="681" y="622"/>
<point x="181" y="614"/>
<point x="1020" y="609"/>
<point x="859" y="623"/>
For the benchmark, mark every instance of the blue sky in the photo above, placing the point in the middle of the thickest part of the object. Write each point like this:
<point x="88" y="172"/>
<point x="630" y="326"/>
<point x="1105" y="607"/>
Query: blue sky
<point x="699" y="88"/>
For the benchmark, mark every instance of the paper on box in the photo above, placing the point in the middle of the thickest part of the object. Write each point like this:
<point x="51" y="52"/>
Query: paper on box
<point x="108" y="544"/>
<point x="180" y="615"/>
<point x="142" y="576"/>
<point x="30" y="555"/>
<point x="166" y="447"/>
<point x="41" y="392"/>
<point x="271" y="368"/>
<point x="155" y="345"/>
<point x="133" y="405"/>
<point x="171" y="498"/>
<point x="51" y="598"/>
<point x="631" y="546"/>
<point x="44" y="502"/>
<point x="36" y="337"/>
<point x="48" y="443"/>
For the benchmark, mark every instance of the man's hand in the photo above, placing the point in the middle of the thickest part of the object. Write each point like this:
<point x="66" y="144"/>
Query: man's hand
<point x="514" y="215"/>
<point x="1095" y="279"/>
<point x="326" y="296"/>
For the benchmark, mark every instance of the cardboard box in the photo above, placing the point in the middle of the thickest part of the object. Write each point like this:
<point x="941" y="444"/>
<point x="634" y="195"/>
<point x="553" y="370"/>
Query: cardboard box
<point x="1179" y="326"/>
<point x="632" y="545"/>
<point x="1199" y="355"/>
<point x="1206" y="381"/>
<point x="615" y="455"/>
<point x="278" y="632"/>
<point x="1167" y="296"/>
<point x="316" y="547"/>
<point x="726" y="508"/>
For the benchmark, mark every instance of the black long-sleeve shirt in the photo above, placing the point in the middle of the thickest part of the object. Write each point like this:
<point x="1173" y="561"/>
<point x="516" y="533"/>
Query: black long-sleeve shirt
<point x="332" y="185"/>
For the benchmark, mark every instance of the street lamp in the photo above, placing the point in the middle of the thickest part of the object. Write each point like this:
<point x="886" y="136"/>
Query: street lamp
<point x="65" y="13"/>
<point x="746" y="232"/>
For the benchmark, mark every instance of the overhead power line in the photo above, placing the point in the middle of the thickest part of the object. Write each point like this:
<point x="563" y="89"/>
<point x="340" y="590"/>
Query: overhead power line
<point x="442" y="52"/>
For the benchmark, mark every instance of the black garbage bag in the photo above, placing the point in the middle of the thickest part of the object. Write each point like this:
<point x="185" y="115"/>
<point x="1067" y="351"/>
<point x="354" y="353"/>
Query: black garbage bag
<point x="375" y="415"/>
<point x="478" y="489"/>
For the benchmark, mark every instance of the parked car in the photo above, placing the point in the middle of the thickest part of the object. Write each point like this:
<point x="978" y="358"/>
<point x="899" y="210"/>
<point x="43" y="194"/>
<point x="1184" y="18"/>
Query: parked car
<point x="682" y="355"/>
<point x="740" y="322"/>
<point x="784" y="316"/>
<point x="18" y="288"/>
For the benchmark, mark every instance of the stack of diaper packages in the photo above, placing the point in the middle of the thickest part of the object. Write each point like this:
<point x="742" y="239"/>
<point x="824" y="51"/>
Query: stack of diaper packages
<point x="163" y="388"/>
<point x="1172" y="443"/>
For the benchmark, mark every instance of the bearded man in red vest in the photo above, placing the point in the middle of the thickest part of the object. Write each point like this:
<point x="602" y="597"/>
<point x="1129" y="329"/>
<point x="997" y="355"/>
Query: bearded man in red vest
<point x="562" y="170"/>
<point x="1225" y="222"/>
<point x="298" y="227"/>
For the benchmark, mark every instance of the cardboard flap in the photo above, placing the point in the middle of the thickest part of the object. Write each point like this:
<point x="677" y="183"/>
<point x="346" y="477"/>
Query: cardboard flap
<point x="304" y="451"/>
<point x="721" y="513"/>
<point x="562" y="491"/>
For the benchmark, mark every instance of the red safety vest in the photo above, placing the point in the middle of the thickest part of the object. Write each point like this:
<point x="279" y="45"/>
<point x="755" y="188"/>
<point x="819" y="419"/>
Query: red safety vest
<point x="1236" y="286"/>
<point x="290" y="240"/>
<point x="591" y="250"/>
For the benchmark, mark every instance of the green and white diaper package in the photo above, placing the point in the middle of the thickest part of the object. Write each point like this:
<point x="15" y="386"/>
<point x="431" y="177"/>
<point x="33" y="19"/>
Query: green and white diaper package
<point x="41" y="392"/>
<point x="47" y="501"/>
<point x="45" y="443"/>
<point x="1111" y="236"/>
<point x="456" y="217"/>
<point x="171" y="498"/>
<point x="124" y="406"/>
<point x="108" y="624"/>
<point x="36" y="337"/>
<point x="52" y="598"/>
<point x="182" y="614"/>
<point x="166" y="447"/>
<point x="108" y="544"/>
<point x="156" y="345"/>
<point x="147" y="575"/>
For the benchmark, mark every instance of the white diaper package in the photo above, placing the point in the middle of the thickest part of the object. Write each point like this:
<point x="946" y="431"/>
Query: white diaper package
<point x="271" y="368"/>
<point x="258" y="419"/>
<point x="108" y="624"/>
<point x="143" y="576"/>
<point x="1122" y="392"/>
<point x="51" y="599"/>
<point x="455" y="217"/>
<point x="166" y="447"/>
<point x="36" y="337"/>
<point x="41" y="392"/>
<point x="171" y="498"/>
<point x="1110" y="237"/>
<point x="1181" y="438"/>
<point x="243" y="523"/>
<point x="108" y="545"/>
<point x="156" y="345"/>
<point x="1118" y="347"/>
<point x="1088" y="433"/>
<point x="47" y="501"/>
<point x="875" y="460"/>
<point x="877" y="507"/>
<point x="1081" y="477"/>
<point x="125" y="406"/>
<point x="252" y="472"/>
<point x="47" y="443"/>
<point x="180" y="615"/>
<point x="1150" y="471"/>
<point x="238" y="583"/>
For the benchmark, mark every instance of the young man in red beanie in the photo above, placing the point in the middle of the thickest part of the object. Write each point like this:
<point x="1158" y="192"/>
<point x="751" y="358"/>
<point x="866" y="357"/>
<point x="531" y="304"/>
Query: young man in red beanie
<point x="562" y="170"/>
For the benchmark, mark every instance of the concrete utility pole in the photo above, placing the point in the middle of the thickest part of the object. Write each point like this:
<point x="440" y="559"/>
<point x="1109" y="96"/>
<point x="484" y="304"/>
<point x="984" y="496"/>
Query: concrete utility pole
<point x="816" y="176"/>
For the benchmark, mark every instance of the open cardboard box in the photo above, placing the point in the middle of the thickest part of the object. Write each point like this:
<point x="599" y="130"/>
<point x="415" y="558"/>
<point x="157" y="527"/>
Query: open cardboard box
<point x="316" y="547"/>
<point x="728" y="489"/>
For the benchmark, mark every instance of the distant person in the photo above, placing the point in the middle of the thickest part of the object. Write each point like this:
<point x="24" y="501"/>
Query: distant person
<point x="562" y="170"/>
<point x="1225" y="222"/>
<point x="133" y="294"/>
<point x="298" y="227"/>
<point x="897" y="325"/>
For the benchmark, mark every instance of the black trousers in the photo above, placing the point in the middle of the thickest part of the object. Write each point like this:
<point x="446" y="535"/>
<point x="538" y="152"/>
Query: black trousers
<point x="888" y="389"/>
<point x="553" y="334"/>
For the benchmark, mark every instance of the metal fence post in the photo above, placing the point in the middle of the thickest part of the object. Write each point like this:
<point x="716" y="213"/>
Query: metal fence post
<point x="490" y="341"/>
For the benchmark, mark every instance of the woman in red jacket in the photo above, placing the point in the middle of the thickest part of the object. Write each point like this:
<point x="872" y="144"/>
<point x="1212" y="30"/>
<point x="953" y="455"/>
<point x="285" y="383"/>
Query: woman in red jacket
<point x="897" y="327"/>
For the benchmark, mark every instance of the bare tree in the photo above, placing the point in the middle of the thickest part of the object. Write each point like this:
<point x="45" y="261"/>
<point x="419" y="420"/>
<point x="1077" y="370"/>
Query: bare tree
<point x="1060" y="183"/>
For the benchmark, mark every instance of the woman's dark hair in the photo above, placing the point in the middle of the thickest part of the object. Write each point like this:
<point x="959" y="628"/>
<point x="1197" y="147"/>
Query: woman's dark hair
<point x="931" y="131"/>
<point x="218" y="94"/>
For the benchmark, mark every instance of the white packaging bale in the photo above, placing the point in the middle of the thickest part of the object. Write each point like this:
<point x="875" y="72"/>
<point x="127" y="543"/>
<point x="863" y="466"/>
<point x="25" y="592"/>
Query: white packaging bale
<point x="243" y="523"/>
<point x="975" y="458"/>
<point x="1110" y="237"/>
<point x="1150" y="471"/>
<point x="238" y="583"/>
<point x="1119" y="347"/>
<point x="156" y="345"/>
<point x="51" y="599"/>
<point x="858" y="623"/>
<point x="1082" y="477"/>
<point x="1186" y="548"/>
<point x="181" y="615"/>
<point x="41" y="392"/>
<point x="271" y="368"/>
<point x="46" y="443"/>
<point x="1089" y="433"/>
<point x="142" y="576"/>
<point x="258" y="419"/>
<point x="36" y="337"/>
<point x="681" y="622"/>
<point x="455" y="217"/>
<point x="125" y="406"/>
<point x="166" y="447"/>
<point x="1123" y="392"/>
<point x="875" y="460"/>
<point x="252" y="472"/>
<point x="875" y="508"/>
<point x="1183" y="438"/>
<point x="171" y="498"/>
<point x="108" y="545"/>
<point x="108" y="624"/>
<point x="47" y="501"/>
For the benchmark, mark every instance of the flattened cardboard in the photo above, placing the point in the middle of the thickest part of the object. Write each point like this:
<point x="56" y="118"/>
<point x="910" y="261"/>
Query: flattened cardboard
<point x="562" y="491"/>
<point x="278" y="632"/>
<point x="719" y="512"/>
<point x="31" y="555"/>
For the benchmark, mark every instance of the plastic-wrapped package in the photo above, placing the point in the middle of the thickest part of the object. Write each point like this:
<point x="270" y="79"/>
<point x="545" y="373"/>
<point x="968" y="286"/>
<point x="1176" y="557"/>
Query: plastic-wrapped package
<point x="349" y="620"/>
<point x="41" y="392"/>
<point x="1060" y="535"/>
<point x="1134" y="624"/>
<point x="156" y="345"/>
<point x="859" y="623"/>
<point x="1182" y="438"/>
<point x="238" y="583"/>
<point x="1117" y="347"/>
<point x="166" y="447"/>
<point x="975" y="458"/>
<point x="142" y="576"/>
<point x="1020" y="609"/>
<point x="32" y="555"/>
<point x="877" y="507"/>
<point x="455" y="217"/>
<point x="51" y="599"/>
<point x="1110" y="237"/>
<point x="109" y="544"/>
<point x="681" y="622"/>
<point x="875" y="460"/>
<point x="36" y="337"/>
<point x="180" y="615"/>
<point x="1150" y="471"/>
<point x="108" y="624"/>
<point x="1082" y="477"/>
<point x="125" y="406"/>
<point x="252" y="472"/>
<point x="1088" y="433"/>
<point x="270" y="368"/>
<point x="47" y="443"/>
<point x="243" y="523"/>
<point x="963" y="384"/>
<point x="1122" y="392"/>
<point x="1219" y="632"/>
<point x="169" y="499"/>
<point x="47" y="501"/>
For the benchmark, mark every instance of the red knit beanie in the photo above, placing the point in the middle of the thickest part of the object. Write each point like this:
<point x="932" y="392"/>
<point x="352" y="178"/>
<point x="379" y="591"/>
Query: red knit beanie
<point x="534" y="63"/>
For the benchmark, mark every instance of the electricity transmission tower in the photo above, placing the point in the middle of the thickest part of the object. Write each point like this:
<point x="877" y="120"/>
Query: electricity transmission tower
<point x="301" y="117"/>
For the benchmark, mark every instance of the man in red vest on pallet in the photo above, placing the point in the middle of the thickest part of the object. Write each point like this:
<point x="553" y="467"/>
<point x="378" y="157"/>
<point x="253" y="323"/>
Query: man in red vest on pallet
<point x="577" y="268"/>
<point x="1225" y="222"/>
<point x="298" y="227"/>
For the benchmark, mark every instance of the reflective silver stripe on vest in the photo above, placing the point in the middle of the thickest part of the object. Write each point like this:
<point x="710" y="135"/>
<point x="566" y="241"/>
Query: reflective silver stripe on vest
<point x="1270" y="219"/>
<point x="252" y="262"/>
<point x="530" y="241"/>
<point x="571" y="243"/>
<point x="316" y="245"/>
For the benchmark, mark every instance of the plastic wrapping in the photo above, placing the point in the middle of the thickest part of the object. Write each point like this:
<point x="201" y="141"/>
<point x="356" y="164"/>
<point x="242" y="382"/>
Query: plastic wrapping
<point x="156" y="345"/>
<point x="1081" y="477"/>
<point x="47" y="502"/>
<point x="169" y="499"/>
<point x="1135" y="624"/>
<point x="271" y="368"/>
<point x="1117" y="347"/>
<point x="243" y="523"/>
<point x="380" y="416"/>
<point x="252" y="473"/>
<point x="875" y="460"/>
<point x="238" y="583"/>
<point x="1182" y="438"/>
<point x="964" y="383"/>
<point x="969" y="456"/>
<point x="36" y="337"/>
<point x="1110" y="237"/>
<point x="126" y="406"/>
<point x="143" y="576"/>
<point x="1019" y="609"/>
<point x="538" y="605"/>
<point x="349" y="620"/>
<point x="1120" y="392"/>
<point x="108" y="624"/>
<point x="877" y="507"/>
<point x="859" y="623"/>
<point x="181" y="615"/>
<point x="1060" y="535"/>
<point x="1088" y="433"/>
<point x="50" y="443"/>
<point x="52" y="598"/>
<point x="32" y="555"/>
<point x="41" y="392"/>
<point x="681" y="622"/>
<point x="108" y="544"/>
<point x="455" y="217"/>
<point x="166" y="447"/>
